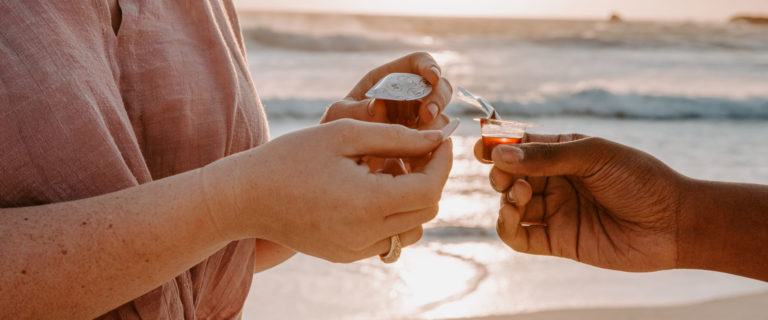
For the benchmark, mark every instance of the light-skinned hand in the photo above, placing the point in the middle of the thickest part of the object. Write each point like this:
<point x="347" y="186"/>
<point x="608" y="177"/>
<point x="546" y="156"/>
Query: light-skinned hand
<point x="310" y="190"/>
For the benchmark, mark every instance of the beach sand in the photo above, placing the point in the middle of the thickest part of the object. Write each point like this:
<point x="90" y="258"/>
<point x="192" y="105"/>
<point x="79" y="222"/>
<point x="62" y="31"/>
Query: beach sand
<point x="473" y="280"/>
<point x="743" y="307"/>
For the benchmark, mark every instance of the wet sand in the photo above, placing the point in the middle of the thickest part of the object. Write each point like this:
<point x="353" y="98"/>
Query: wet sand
<point x="486" y="280"/>
<point x="743" y="307"/>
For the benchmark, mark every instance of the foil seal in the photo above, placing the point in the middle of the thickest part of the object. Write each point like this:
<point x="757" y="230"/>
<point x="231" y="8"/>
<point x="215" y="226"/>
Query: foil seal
<point x="400" y="87"/>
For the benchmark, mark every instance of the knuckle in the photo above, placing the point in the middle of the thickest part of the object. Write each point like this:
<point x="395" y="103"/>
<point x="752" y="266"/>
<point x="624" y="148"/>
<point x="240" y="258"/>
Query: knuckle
<point x="447" y="84"/>
<point x="359" y="242"/>
<point x="433" y="212"/>
<point x="432" y="196"/>
<point x="600" y="147"/>
<point x="346" y="257"/>
<point x="400" y="133"/>
<point x="501" y="231"/>
<point x="537" y="151"/>
<point x="346" y="130"/>
<point x="418" y="234"/>
<point x="598" y="141"/>
<point x="421" y="55"/>
<point x="578" y="136"/>
<point x="335" y="106"/>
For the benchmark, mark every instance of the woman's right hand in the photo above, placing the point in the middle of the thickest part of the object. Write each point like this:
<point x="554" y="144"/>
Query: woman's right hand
<point x="310" y="190"/>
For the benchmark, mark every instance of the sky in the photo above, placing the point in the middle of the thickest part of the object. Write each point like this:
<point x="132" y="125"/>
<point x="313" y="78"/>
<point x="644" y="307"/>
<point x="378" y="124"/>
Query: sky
<point x="701" y="10"/>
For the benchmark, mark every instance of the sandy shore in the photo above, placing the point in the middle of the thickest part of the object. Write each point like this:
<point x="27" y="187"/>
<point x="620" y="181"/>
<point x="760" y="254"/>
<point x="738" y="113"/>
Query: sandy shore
<point x="744" y="307"/>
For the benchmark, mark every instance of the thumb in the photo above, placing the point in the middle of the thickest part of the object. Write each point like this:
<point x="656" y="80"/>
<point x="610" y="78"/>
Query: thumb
<point x="365" y="110"/>
<point x="581" y="157"/>
<point x="359" y="138"/>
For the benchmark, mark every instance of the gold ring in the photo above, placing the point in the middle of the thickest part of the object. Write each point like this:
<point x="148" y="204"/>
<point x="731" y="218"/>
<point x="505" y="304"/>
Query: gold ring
<point x="394" y="250"/>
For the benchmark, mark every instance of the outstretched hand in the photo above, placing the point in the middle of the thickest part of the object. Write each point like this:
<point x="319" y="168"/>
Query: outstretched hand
<point x="587" y="199"/>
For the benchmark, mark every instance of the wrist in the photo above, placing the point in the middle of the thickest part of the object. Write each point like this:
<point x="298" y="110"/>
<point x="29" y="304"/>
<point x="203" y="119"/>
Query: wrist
<point x="691" y="224"/>
<point x="723" y="227"/>
<point x="219" y="184"/>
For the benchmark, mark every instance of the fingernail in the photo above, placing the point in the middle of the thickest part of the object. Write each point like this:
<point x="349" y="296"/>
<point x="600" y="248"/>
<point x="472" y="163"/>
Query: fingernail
<point x="433" y="109"/>
<point x="493" y="182"/>
<point x="436" y="71"/>
<point x="434" y="135"/>
<point x="371" y="110"/>
<point x="511" y="154"/>
<point x="450" y="128"/>
<point x="511" y="198"/>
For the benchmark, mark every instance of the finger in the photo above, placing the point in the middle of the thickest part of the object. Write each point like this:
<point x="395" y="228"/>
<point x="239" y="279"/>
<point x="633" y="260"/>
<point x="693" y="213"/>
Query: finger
<point x="421" y="63"/>
<point x="394" y="167"/>
<point x="518" y="237"/>
<point x="418" y="163"/>
<point x="382" y="246"/>
<point x="423" y="187"/>
<point x="440" y="164"/>
<point x="501" y="181"/>
<point x="478" y="150"/>
<point x="370" y="110"/>
<point x="438" y="124"/>
<point x="433" y="104"/>
<point x="357" y="138"/>
<point x="520" y="194"/>
<point x="509" y="229"/>
<point x="425" y="65"/>
<point x="404" y="221"/>
<point x="534" y="210"/>
<point x="581" y="157"/>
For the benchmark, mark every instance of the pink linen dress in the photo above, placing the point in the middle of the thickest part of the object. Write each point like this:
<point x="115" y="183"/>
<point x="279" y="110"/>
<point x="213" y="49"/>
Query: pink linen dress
<point x="85" y="112"/>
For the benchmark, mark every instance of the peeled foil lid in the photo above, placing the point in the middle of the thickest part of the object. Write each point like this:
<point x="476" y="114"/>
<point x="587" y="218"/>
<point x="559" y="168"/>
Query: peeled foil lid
<point x="400" y="87"/>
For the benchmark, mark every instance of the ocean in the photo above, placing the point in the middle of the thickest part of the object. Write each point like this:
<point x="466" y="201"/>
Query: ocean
<point x="693" y="94"/>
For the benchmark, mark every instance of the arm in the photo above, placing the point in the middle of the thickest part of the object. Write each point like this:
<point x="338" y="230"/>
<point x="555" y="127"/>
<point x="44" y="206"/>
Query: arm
<point x="724" y="227"/>
<point x="82" y="258"/>
<point x="305" y="190"/>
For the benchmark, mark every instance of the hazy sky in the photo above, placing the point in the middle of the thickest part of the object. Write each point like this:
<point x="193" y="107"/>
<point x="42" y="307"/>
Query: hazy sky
<point x="631" y="9"/>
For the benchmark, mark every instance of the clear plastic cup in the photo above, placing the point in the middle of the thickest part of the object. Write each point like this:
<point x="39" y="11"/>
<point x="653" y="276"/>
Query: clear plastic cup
<point x="496" y="132"/>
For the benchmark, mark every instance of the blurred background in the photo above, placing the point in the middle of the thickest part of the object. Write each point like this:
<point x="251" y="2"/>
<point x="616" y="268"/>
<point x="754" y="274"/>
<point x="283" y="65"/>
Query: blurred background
<point x="685" y="80"/>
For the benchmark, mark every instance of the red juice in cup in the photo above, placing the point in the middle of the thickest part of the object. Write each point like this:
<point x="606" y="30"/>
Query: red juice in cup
<point x="490" y="142"/>
<point x="403" y="112"/>
<point x="496" y="132"/>
<point x="401" y="94"/>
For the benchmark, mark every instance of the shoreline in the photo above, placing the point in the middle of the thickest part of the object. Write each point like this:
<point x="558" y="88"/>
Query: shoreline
<point x="740" y="307"/>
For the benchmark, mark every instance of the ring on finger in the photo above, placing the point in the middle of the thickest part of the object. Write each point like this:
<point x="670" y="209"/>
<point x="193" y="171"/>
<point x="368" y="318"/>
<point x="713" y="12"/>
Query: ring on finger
<point x="394" y="250"/>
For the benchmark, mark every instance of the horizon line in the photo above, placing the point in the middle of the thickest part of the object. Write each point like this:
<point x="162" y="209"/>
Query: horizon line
<point x="625" y="18"/>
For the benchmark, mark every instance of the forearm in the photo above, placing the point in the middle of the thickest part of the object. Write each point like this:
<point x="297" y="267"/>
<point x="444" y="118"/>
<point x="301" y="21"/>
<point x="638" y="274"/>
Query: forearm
<point x="724" y="227"/>
<point x="82" y="258"/>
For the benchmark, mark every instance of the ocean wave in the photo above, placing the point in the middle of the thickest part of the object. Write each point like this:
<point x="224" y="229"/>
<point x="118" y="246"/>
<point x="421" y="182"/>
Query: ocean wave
<point x="598" y="102"/>
<point x="591" y="102"/>
<point x="457" y="232"/>
<point x="295" y="108"/>
<point x="321" y="43"/>
<point x="333" y="32"/>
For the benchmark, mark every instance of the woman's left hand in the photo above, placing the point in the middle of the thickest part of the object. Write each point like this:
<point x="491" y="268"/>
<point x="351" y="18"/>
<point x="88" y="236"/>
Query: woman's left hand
<point x="357" y="106"/>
